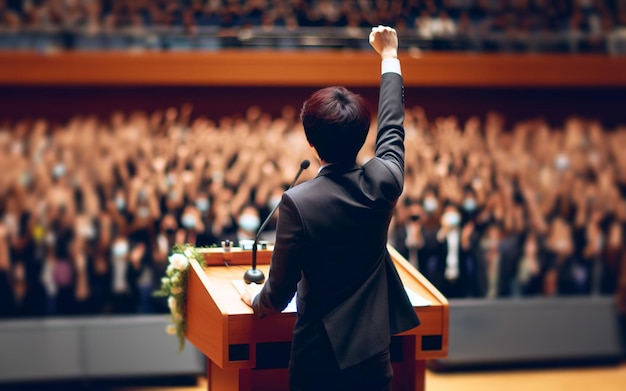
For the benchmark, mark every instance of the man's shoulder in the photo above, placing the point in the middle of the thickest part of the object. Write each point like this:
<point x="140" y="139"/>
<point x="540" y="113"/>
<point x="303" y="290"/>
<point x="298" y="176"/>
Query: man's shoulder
<point x="305" y="189"/>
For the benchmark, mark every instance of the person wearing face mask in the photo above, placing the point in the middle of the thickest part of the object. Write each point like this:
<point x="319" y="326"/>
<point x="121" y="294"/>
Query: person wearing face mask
<point x="202" y="203"/>
<point x="429" y="222"/>
<point x="432" y="207"/>
<point x="193" y="228"/>
<point x="248" y="223"/>
<point x="430" y="202"/>
<point x="122" y="291"/>
<point x="189" y="220"/>
<point x="442" y="257"/>
<point x="120" y="202"/>
<point x="469" y="205"/>
<point x="117" y="211"/>
<point x="143" y="206"/>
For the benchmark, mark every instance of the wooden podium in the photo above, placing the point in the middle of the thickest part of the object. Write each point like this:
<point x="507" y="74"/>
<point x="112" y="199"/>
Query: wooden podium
<point x="249" y="354"/>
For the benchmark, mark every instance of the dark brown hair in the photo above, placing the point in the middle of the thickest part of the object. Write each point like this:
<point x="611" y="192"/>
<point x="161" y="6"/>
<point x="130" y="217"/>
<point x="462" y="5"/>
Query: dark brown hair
<point x="336" y="122"/>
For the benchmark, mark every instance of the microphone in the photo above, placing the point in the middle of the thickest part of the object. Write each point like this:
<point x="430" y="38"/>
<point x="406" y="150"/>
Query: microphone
<point x="254" y="275"/>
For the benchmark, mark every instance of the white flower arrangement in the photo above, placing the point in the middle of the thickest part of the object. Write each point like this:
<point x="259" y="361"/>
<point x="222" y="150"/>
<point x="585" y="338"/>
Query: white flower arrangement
<point x="174" y="287"/>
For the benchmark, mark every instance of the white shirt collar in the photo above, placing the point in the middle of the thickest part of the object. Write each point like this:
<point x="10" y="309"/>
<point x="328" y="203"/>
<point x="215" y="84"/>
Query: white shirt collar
<point x="323" y="166"/>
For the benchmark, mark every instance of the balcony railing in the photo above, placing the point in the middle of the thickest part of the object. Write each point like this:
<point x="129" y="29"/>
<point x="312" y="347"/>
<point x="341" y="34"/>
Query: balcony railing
<point x="213" y="38"/>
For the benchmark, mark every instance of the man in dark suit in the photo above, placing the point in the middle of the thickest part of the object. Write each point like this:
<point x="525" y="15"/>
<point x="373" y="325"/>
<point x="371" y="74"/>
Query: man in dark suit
<point x="331" y="241"/>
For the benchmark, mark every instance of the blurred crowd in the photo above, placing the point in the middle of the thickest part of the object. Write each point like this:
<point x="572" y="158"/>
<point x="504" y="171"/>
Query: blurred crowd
<point x="527" y="211"/>
<point x="90" y="209"/>
<point x="477" y="24"/>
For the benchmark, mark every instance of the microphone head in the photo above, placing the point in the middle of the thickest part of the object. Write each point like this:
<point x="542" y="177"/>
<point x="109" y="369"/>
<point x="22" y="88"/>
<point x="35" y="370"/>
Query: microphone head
<point x="305" y="164"/>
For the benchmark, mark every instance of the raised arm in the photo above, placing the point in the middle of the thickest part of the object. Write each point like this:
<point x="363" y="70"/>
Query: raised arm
<point x="390" y="136"/>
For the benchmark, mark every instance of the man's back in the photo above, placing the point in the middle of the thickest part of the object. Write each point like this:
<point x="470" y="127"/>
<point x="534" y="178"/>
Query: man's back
<point x="345" y="216"/>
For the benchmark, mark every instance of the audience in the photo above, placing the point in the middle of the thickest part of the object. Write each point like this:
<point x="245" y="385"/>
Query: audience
<point x="493" y="212"/>
<point x="514" y="25"/>
<point x="90" y="209"/>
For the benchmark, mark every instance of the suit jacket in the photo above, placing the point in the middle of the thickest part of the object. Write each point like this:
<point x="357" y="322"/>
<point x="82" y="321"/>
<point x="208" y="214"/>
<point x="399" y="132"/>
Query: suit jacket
<point x="331" y="244"/>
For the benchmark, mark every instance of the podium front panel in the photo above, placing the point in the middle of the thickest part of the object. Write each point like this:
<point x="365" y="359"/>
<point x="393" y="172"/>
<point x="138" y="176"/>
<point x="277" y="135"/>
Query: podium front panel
<point x="232" y="337"/>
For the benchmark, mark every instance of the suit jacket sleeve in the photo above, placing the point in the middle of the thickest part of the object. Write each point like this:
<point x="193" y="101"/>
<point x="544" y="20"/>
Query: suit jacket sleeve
<point x="390" y="137"/>
<point x="286" y="264"/>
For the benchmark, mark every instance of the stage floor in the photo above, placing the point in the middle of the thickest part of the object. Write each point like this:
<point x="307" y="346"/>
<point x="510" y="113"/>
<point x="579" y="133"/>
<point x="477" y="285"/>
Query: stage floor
<point x="602" y="378"/>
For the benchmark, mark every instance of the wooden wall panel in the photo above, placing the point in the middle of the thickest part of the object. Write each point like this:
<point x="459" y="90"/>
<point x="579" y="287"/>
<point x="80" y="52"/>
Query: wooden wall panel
<point x="302" y="68"/>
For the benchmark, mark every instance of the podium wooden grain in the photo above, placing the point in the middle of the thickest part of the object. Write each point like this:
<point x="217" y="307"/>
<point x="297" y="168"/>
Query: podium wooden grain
<point x="249" y="354"/>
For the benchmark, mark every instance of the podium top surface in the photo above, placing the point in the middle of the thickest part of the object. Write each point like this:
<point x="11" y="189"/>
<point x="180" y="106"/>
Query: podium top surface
<point x="219" y="280"/>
